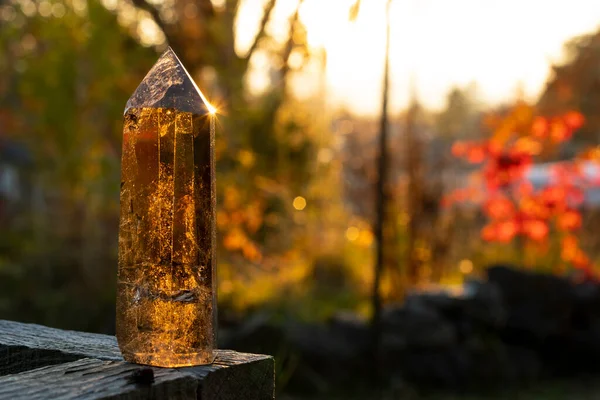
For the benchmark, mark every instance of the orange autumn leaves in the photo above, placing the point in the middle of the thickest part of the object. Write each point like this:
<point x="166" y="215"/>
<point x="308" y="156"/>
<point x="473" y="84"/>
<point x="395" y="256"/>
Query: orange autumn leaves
<point x="512" y="205"/>
<point x="238" y="220"/>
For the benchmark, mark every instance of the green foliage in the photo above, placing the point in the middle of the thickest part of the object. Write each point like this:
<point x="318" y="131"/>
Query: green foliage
<point x="64" y="82"/>
<point x="66" y="71"/>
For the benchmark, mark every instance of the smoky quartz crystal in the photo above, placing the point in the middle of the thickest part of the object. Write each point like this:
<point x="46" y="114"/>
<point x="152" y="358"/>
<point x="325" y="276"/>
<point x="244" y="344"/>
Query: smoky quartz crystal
<point x="166" y="288"/>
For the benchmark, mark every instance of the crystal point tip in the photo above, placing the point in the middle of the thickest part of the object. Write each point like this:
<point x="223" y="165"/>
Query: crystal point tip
<point x="169" y="85"/>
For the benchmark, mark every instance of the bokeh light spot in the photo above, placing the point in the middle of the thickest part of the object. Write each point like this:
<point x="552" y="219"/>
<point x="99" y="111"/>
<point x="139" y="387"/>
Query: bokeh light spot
<point x="299" y="203"/>
<point x="45" y="9"/>
<point x="466" y="266"/>
<point x="352" y="233"/>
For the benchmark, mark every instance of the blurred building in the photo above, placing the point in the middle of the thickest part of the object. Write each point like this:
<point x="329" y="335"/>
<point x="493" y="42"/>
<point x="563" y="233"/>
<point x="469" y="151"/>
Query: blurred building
<point x="541" y="175"/>
<point x="15" y="182"/>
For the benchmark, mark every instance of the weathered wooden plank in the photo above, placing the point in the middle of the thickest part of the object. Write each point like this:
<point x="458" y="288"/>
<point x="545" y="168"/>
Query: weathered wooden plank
<point x="28" y="346"/>
<point x="91" y="379"/>
<point x="233" y="376"/>
<point x="24" y="347"/>
<point x="252" y="378"/>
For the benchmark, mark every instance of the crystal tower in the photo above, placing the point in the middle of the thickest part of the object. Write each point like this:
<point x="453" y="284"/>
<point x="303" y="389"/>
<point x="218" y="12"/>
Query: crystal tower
<point x="166" y="286"/>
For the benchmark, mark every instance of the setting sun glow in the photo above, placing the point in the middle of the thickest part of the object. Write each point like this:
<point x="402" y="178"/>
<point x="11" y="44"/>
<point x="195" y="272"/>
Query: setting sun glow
<point x="500" y="45"/>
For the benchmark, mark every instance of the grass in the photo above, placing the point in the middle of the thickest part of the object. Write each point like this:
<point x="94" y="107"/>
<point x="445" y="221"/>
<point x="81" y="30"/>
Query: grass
<point x="576" y="389"/>
<point x="583" y="388"/>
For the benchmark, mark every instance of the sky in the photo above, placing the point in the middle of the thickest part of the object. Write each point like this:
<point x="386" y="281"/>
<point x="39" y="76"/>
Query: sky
<point x="499" y="44"/>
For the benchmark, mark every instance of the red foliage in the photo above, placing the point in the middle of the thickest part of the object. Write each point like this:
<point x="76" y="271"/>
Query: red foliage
<point x="574" y="120"/>
<point x="569" y="221"/>
<point x="539" y="128"/>
<point x="536" y="229"/>
<point x="513" y="207"/>
<point x="559" y="131"/>
<point x="499" y="208"/>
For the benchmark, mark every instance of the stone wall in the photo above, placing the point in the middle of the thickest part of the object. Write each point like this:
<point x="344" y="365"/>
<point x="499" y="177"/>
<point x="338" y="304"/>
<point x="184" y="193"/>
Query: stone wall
<point x="509" y="329"/>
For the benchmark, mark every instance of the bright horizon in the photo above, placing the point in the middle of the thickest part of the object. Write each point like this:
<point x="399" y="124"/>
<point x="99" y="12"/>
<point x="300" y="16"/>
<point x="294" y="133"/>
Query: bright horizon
<point x="500" y="45"/>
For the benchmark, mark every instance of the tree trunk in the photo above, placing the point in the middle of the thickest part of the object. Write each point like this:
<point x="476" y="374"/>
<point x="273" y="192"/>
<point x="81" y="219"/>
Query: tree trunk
<point x="380" y="194"/>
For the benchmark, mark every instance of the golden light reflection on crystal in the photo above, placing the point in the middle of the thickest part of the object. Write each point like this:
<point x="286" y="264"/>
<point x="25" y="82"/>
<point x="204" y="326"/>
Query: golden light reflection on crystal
<point x="166" y="299"/>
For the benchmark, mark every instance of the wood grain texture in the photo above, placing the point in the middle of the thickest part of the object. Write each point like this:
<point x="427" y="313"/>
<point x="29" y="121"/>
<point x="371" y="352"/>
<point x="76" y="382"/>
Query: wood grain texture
<point x="237" y="376"/>
<point x="88" y="362"/>
<point x="91" y="379"/>
<point x="28" y="346"/>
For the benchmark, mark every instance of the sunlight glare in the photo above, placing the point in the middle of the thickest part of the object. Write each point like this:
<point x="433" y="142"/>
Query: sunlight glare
<point x="496" y="44"/>
<point x="149" y="32"/>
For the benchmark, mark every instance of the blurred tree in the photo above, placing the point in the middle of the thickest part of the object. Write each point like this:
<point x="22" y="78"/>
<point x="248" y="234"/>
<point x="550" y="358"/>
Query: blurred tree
<point x="459" y="119"/>
<point x="381" y="194"/>
<point x="428" y="226"/>
<point x="514" y="206"/>
<point x="575" y="85"/>
<point x="67" y="69"/>
<point x="414" y="170"/>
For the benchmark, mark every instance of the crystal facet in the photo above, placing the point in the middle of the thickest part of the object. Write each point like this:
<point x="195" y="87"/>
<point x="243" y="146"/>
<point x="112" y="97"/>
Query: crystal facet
<point x="166" y="289"/>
